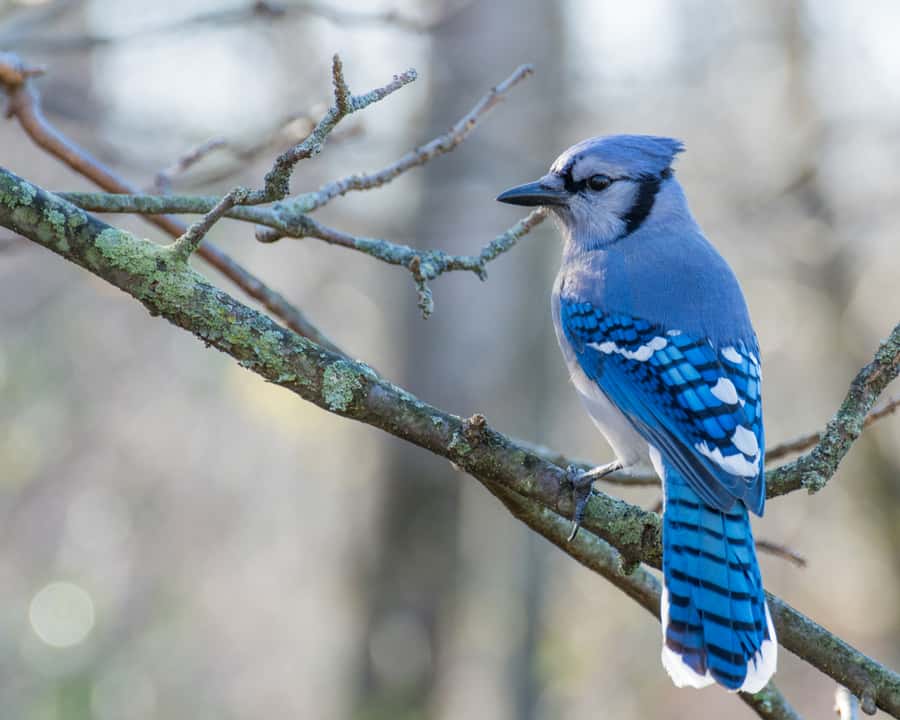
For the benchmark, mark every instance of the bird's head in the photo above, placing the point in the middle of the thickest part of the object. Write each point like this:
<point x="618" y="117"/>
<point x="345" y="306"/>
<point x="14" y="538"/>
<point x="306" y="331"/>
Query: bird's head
<point x="603" y="188"/>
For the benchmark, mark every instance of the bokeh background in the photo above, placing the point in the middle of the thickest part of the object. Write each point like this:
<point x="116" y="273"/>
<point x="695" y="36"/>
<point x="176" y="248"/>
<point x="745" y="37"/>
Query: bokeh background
<point x="179" y="539"/>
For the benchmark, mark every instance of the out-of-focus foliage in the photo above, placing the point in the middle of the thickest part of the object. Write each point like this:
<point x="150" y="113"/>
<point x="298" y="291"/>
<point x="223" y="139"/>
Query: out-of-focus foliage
<point x="180" y="539"/>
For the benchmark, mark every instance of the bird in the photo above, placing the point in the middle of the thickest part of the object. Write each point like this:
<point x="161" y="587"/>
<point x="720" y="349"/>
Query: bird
<point x="659" y="344"/>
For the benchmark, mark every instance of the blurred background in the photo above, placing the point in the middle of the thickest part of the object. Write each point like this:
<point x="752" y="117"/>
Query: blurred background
<point x="179" y="539"/>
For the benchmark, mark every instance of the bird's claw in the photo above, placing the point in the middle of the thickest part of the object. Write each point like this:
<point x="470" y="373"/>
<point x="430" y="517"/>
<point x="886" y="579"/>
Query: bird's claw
<point x="581" y="483"/>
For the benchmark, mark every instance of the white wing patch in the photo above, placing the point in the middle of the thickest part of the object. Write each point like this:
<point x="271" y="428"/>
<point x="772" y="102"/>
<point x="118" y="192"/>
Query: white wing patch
<point x="734" y="464"/>
<point x="725" y="390"/>
<point x="642" y="354"/>
<point x="745" y="441"/>
<point x="732" y="355"/>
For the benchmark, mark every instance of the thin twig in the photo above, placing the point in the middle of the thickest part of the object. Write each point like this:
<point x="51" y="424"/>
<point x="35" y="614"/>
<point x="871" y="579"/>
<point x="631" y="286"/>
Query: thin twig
<point x="190" y="240"/>
<point x="14" y="72"/>
<point x="804" y="442"/>
<point x="440" y="145"/>
<point x="163" y="181"/>
<point x="425" y="265"/>
<point x="278" y="179"/>
<point x="782" y="551"/>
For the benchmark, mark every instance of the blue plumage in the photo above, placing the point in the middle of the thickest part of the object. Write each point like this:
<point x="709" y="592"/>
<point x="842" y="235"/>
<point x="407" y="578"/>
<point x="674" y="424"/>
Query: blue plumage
<point x="680" y="395"/>
<point x="656" y="333"/>
<point x="716" y="608"/>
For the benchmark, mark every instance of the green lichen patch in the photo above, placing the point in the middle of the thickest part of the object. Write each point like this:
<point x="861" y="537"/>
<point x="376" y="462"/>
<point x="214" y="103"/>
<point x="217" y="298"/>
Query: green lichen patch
<point x="14" y="194"/>
<point x="339" y="383"/>
<point x="124" y="252"/>
<point x="57" y="222"/>
<point x="77" y="219"/>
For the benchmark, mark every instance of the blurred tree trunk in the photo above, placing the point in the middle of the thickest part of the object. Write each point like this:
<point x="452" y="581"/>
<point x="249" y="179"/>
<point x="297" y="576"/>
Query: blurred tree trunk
<point x="447" y="551"/>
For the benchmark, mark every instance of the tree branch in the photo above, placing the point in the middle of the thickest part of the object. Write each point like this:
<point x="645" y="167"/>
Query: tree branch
<point x="640" y="585"/>
<point x="289" y="217"/>
<point x="278" y="179"/>
<point x="24" y="106"/>
<point x="813" y="470"/>
<point x="168" y="286"/>
<point x="417" y="157"/>
<point x="424" y="265"/>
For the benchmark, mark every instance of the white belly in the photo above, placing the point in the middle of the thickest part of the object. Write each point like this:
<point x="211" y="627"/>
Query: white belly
<point x="630" y="448"/>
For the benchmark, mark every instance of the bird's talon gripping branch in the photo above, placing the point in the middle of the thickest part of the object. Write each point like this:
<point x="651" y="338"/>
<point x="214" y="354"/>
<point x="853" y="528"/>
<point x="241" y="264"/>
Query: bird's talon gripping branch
<point x="581" y="482"/>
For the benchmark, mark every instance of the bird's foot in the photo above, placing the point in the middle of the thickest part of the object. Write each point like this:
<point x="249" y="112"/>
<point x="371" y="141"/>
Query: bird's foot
<point x="581" y="482"/>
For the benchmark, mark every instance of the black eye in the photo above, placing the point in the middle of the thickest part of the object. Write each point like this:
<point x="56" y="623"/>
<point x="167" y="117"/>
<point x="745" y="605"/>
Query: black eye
<point x="599" y="182"/>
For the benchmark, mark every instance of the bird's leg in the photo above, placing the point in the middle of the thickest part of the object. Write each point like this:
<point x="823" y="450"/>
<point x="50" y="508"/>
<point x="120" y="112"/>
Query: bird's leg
<point x="581" y="482"/>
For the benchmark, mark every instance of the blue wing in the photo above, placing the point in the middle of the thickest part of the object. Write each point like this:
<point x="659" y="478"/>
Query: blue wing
<point x="700" y="406"/>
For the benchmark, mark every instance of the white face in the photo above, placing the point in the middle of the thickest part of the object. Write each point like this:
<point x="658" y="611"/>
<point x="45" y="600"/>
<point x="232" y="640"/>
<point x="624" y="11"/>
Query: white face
<point x="601" y="189"/>
<point x="599" y="200"/>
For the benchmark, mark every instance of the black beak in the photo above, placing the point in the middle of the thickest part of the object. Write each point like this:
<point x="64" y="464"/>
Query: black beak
<point x="533" y="193"/>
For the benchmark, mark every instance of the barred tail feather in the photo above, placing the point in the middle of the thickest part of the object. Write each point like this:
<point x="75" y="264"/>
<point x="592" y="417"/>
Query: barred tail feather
<point x="715" y="621"/>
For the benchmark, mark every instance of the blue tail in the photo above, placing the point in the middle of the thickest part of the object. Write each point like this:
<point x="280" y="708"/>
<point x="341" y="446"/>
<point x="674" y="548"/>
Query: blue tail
<point x="716" y="625"/>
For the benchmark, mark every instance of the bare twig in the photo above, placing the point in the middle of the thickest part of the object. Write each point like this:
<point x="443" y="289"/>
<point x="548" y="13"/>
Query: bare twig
<point x="278" y="179"/>
<point x="14" y="72"/>
<point x="173" y="290"/>
<point x="163" y="180"/>
<point x="425" y="265"/>
<point x="24" y="105"/>
<point x="188" y="242"/>
<point x="440" y="145"/>
<point x="804" y="442"/>
<point x="782" y="551"/>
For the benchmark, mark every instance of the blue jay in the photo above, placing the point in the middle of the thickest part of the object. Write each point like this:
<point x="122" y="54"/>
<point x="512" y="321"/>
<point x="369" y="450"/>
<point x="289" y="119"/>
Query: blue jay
<point x="658" y="341"/>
